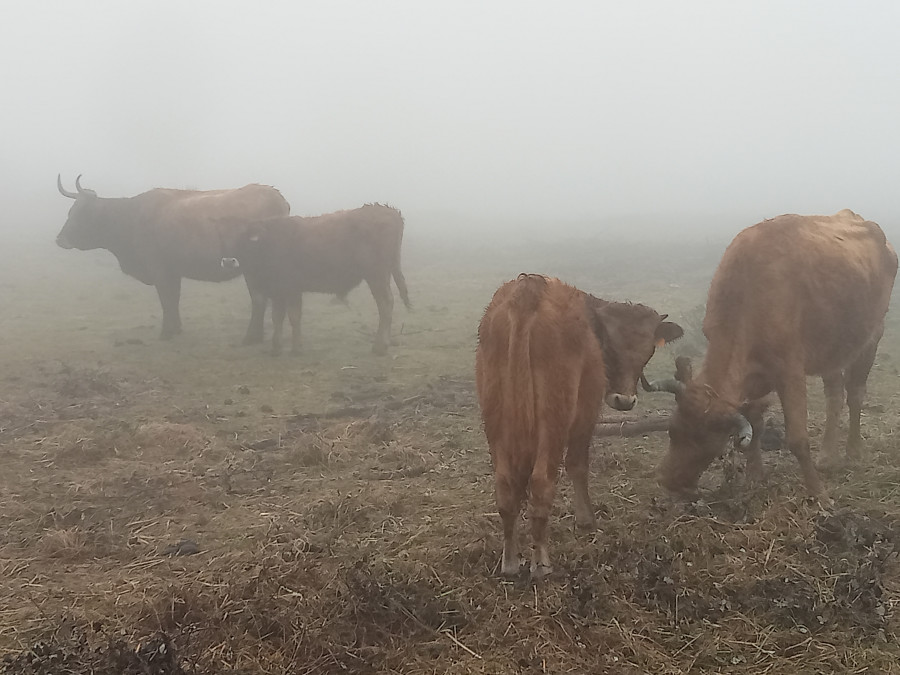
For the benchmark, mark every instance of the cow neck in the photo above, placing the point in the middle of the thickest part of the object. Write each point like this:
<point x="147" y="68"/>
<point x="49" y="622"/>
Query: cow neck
<point x="120" y="216"/>
<point x="725" y="370"/>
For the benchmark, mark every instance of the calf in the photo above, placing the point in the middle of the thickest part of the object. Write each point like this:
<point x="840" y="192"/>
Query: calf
<point x="548" y="356"/>
<point x="283" y="258"/>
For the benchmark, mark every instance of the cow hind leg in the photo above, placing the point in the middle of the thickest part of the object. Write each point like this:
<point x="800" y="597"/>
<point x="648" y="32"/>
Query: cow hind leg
<point x="510" y="491"/>
<point x="294" y="310"/>
<point x="543" y="488"/>
<point x="578" y="467"/>
<point x="169" y="292"/>
<point x="833" y="384"/>
<point x="279" y="309"/>
<point x="384" y="300"/>
<point x="857" y="375"/>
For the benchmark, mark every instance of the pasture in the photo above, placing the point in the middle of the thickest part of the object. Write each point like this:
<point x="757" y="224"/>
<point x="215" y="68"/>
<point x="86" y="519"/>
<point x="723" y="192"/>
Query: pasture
<point x="203" y="506"/>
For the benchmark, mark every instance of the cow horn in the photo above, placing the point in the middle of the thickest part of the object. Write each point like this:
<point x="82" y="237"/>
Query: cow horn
<point x="62" y="190"/>
<point x="744" y="433"/>
<point x="78" y="184"/>
<point x="671" y="386"/>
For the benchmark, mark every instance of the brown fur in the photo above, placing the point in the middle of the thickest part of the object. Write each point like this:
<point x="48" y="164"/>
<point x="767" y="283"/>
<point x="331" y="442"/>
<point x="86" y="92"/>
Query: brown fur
<point x="542" y="374"/>
<point x="163" y="235"/>
<point x="283" y="258"/>
<point x="793" y="296"/>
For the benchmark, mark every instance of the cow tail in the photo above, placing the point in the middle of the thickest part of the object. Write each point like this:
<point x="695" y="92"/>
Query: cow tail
<point x="396" y="272"/>
<point x="523" y="306"/>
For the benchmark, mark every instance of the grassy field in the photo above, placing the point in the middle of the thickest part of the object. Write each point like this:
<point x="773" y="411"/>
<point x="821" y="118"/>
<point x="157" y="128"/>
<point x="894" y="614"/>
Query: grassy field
<point x="203" y="506"/>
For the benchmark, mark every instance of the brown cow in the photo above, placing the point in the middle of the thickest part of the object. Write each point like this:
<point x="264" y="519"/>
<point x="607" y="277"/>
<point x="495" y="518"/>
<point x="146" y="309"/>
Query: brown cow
<point x="283" y="258"/>
<point x="548" y="355"/>
<point x="793" y="296"/>
<point x="163" y="235"/>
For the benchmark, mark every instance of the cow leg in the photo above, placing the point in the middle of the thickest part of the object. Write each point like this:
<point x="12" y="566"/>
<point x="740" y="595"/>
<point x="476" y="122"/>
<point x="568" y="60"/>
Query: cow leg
<point x="256" y="329"/>
<point x="755" y="471"/>
<point x="384" y="299"/>
<point x="578" y="465"/>
<point x="509" y="491"/>
<point x="169" y="292"/>
<point x="294" y="310"/>
<point x="543" y="487"/>
<point x="279" y="308"/>
<point x="857" y="375"/>
<point x="792" y="392"/>
<point x="833" y="383"/>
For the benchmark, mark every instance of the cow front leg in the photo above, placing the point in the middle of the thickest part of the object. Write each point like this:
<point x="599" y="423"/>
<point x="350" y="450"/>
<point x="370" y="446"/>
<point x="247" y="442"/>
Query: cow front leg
<point x="755" y="471"/>
<point x="384" y="299"/>
<point x="792" y="393"/>
<point x="169" y="292"/>
<point x="279" y="308"/>
<point x="255" y="329"/>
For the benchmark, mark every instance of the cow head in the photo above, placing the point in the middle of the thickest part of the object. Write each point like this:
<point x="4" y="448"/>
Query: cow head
<point x="629" y="334"/>
<point x="245" y="251"/>
<point x="85" y="227"/>
<point x="698" y="430"/>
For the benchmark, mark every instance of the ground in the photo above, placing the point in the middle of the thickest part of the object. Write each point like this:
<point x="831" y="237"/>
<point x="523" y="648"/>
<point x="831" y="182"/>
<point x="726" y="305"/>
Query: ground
<point x="196" y="506"/>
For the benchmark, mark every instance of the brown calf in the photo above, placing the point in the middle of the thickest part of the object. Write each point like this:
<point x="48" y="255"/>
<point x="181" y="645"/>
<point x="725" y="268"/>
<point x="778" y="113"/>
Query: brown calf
<point x="548" y="355"/>
<point x="793" y="296"/>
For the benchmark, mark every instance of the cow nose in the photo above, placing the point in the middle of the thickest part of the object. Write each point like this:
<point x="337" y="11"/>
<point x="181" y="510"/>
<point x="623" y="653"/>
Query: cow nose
<point x="621" y="401"/>
<point x="230" y="263"/>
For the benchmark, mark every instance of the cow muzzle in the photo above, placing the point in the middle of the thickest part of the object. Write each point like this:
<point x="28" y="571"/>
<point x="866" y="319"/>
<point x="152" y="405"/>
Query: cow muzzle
<point x="230" y="264"/>
<point x="621" y="401"/>
<point x="63" y="242"/>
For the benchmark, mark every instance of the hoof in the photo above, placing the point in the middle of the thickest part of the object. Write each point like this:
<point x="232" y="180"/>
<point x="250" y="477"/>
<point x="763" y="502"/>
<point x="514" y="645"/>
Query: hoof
<point x="539" y="570"/>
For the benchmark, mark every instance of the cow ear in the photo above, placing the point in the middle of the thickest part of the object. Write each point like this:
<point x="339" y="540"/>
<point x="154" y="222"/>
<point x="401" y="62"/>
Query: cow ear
<point x="667" y="331"/>
<point x="684" y="370"/>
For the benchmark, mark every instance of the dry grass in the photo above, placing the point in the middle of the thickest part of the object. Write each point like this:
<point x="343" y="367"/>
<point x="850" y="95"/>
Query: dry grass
<point x="199" y="507"/>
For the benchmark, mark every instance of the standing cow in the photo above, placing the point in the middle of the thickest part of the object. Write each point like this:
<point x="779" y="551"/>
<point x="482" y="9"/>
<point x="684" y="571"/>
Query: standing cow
<point x="162" y="235"/>
<point x="793" y="296"/>
<point x="283" y="258"/>
<point x="548" y="356"/>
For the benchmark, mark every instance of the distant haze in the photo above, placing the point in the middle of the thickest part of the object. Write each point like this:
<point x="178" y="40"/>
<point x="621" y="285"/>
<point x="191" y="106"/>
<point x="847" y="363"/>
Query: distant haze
<point x="589" y="115"/>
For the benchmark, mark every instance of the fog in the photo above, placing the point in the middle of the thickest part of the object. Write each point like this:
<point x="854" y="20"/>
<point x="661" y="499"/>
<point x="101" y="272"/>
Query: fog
<point x="590" y="116"/>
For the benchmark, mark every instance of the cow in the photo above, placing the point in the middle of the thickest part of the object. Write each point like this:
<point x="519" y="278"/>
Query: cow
<point x="163" y="235"/>
<point x="793" y="296"/>
<point x="548" y="356"/>
<point x="283" y="258"/>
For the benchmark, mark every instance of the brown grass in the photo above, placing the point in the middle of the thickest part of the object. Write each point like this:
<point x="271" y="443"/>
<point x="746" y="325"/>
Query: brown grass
<point x="343" y="514"/>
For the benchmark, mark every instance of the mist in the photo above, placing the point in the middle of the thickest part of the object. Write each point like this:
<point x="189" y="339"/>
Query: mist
<point x="592" y="117"/>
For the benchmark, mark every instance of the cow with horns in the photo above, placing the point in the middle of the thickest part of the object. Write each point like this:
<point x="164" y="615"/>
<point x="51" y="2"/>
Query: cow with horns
<point x="164" y="235"/>
<point x="793" y="296"/>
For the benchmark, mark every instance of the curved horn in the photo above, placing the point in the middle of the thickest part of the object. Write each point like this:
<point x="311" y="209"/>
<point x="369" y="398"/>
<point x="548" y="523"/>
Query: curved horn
<point x="670" y="385"/>
<point x="744" y="433"/>
<point x="78" y="184"/>
<point x="62" y="190"/>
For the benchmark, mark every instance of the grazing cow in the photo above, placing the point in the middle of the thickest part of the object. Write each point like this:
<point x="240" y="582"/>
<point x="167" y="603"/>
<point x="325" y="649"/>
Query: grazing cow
<point x="163" y="235"/>
<point x="793" y="296"/>
<point x="283" y="258"/>
<point x="548" y="356"/>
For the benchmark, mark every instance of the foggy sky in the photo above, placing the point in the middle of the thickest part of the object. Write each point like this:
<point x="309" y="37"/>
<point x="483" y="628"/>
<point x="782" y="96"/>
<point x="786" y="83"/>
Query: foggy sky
<point x="500" y="110"/>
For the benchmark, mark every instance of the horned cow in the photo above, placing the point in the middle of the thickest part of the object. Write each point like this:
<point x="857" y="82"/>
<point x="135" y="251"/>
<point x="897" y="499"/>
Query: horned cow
<point x="163" y="235"/>
<point x="793" y="296"/>
<point x="548" y="355"/>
